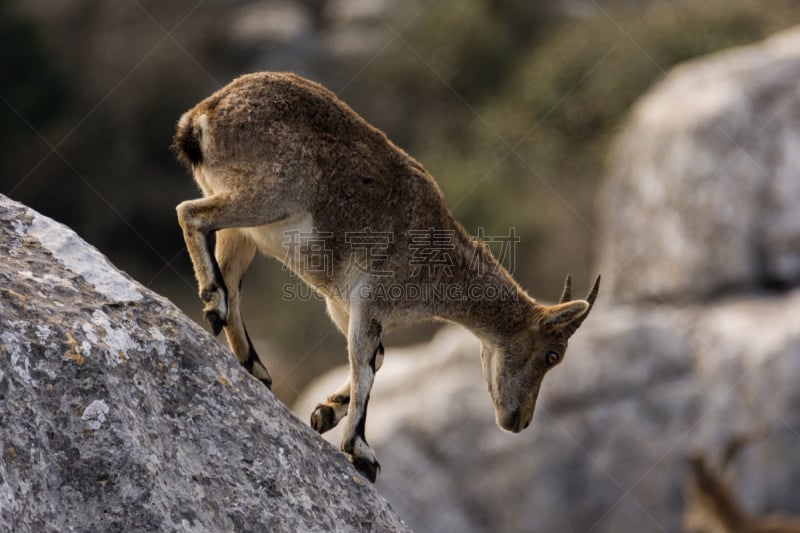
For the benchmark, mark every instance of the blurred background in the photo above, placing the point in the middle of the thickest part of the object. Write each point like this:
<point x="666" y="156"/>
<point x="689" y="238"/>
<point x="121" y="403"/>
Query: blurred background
<point x="511" y="105"/>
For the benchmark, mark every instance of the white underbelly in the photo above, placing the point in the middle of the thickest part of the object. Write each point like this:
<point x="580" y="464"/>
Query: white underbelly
<point x="293" y="241"/>
<point x="285" y="239"/>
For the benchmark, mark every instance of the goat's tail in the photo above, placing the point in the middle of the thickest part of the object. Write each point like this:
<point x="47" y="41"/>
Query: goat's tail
<point x="186" y="142"/>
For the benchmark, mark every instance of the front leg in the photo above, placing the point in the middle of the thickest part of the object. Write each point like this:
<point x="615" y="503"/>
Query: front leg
<point x="329" y="413"/>
<point x="364" y="339"/>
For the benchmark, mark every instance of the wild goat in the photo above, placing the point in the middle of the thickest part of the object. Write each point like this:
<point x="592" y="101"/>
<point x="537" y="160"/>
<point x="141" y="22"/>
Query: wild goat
<point x="711" y="504"/>
<point x="290" y="170"/>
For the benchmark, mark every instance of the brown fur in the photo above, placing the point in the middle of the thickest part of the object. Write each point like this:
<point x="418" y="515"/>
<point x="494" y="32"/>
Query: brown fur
<point x="711" y="503"/>
<point x="273" y="154"/>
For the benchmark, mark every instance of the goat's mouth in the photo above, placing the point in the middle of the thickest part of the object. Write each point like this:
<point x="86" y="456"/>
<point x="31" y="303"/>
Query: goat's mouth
<point x="512" y="421"/>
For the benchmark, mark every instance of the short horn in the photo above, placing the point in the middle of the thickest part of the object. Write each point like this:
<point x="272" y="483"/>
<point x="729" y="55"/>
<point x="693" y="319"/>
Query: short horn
<point x="570" y="328"/>
<point x="592" y="296"/>
<point x="566" y="294"/>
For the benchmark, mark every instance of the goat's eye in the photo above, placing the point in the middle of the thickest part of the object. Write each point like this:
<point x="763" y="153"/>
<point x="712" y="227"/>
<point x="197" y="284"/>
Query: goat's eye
<point x="551" y="358"/>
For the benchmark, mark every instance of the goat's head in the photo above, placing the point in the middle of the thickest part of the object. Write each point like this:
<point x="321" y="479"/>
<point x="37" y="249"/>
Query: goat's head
<point x="514" y="366"/>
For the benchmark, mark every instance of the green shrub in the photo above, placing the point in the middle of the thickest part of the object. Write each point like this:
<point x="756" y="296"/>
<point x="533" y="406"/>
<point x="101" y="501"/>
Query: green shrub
<point x="561" y="94"/>
<point x="32" y="88"/>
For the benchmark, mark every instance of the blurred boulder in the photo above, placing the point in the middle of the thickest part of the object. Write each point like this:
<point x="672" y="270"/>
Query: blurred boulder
<point x="639" y="389"/>
<point x="703" y="194"/>
<point x="118" y="413"/>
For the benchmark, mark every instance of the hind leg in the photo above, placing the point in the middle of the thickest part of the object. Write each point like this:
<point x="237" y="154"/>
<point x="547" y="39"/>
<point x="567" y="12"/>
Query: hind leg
<point x="249" y="199"/>
<point x="234" y="252"/>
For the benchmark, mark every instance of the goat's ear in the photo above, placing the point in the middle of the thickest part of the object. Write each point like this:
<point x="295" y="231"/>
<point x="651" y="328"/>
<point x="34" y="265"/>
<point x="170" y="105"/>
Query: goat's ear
<point x="558" y="316"/>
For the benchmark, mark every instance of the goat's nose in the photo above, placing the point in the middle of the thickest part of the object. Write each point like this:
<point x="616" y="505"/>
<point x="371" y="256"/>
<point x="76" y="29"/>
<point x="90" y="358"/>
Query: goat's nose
<point x="515" y="419"/>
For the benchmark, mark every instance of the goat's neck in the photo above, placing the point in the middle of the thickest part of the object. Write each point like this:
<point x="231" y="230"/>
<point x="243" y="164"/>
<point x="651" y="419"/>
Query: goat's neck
<point x="493" y="304"/>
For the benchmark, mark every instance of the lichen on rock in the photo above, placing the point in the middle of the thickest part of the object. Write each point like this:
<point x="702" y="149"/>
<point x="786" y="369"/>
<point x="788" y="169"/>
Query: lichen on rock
<point x="114" y="416"/>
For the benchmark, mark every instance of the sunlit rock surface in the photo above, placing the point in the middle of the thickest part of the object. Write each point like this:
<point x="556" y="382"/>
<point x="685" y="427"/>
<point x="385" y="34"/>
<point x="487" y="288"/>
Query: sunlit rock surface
<point x="703" y="191"/>
<point x="118" y="413"/>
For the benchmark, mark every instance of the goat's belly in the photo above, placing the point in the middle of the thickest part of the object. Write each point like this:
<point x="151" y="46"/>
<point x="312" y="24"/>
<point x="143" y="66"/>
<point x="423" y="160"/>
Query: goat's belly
<point x="282" y="239"/>
<point x="297" y="244"/>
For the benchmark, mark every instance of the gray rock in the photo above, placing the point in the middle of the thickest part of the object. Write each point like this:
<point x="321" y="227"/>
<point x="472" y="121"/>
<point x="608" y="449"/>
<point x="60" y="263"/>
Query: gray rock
<point x="640" y="388"/>
<point x="118" y="413"/>
<point x="703" y="193"/>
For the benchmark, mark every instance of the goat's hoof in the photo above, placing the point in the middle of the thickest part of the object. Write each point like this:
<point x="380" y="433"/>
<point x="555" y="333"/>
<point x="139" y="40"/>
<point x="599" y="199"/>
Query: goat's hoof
<point x="368" y="467"/>
<point x="323" y="418"/>
<point x="257" y="370"/>
<point x="216" y="321"/>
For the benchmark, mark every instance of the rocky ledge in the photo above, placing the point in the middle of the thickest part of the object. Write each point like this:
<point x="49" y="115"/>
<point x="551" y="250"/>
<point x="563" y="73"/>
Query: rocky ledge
<point x="118" y="413"/>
